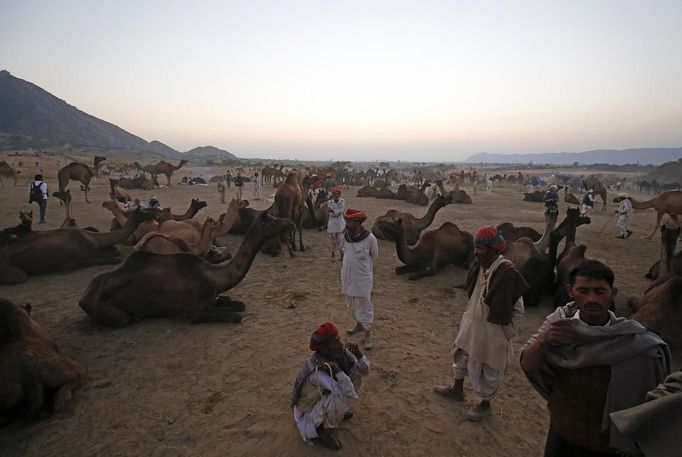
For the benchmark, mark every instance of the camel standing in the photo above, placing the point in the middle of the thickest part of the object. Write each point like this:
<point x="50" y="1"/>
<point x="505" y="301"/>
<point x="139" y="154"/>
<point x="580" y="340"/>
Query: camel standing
<point x="162" y="168"/>
<point x="76" y="171"/>
<point x="289" y="204"/>
<point x="668" y="202"/>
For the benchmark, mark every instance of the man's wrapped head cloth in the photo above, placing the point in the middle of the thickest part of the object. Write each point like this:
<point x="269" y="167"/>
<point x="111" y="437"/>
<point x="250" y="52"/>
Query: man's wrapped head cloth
<point x="336" y="190"/>
<point x="490" y="236"/>
<point x="355" y="214"/>
<point x="325" y="334"/>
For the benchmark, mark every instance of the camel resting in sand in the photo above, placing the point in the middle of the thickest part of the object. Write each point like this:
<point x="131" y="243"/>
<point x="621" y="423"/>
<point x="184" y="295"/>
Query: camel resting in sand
<point x="162" y="243"/>
<point x="62" y="249"/>
<point x="434" y="250"/>
<point x="10" y="234"/>
<point x="151" y="285"/>
<point x="512" y="233"/>
<point x="36" y="379"/>
<point x="412" y="226"/>
<point x="670" y="231"/>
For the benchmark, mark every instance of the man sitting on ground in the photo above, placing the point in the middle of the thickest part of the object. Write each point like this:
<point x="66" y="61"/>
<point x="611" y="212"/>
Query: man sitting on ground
<point x="326" y="385"/>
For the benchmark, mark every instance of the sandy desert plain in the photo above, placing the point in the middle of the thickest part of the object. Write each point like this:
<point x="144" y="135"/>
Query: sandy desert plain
<point x="166" y="388"/>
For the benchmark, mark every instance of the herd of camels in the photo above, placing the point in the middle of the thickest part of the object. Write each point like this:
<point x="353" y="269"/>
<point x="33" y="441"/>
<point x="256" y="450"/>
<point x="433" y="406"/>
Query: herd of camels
<point x="175" y="269"/>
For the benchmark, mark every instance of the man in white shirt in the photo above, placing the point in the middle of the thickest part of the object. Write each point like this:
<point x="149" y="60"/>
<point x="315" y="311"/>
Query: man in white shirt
<point x="360" y="249"/>
<point x="326" y="385"/>
<point x="37" y="192"/>
<point x="336" y="224"/>
<point x="624" y="212"/>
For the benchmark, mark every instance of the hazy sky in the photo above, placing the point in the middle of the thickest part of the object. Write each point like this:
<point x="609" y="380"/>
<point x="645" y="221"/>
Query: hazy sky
<point x="411" y="80"/>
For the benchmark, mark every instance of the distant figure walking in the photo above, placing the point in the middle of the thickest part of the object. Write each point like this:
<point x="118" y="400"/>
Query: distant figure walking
<point x="489" y="185"/>
<point x="624" y="212"/>
<point x="37" y="192"/>
<point x="257" y="184"/>
<point x="335" y="226"/>
<point x="239" y="184"/>
<point x="221" y="189"/>
<point x="588" y="203"/>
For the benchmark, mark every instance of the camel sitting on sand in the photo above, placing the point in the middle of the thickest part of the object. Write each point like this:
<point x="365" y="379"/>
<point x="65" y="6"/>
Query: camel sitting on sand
<point x="660" y="308"/>
<point x="163" y="243"/>
<point x="64" y="249"/>
<point x="434" y="250"/>
<point x="412" y="226"/>
<point x="512" y="233"/>
<point x="316" y="214"/>
<point x="36" y="379"/>
<point x="151" y="285"/>
<point x="668" y="202"/>
<point x="535" y="196"/>
<point x="670" y="231"/>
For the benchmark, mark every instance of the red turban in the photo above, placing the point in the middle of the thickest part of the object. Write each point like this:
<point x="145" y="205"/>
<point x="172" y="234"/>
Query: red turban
<point x="489" y="236"/>
<point x="325" y="334"/>
<point x="336" y="189"/>
<point x="355" y="214"/>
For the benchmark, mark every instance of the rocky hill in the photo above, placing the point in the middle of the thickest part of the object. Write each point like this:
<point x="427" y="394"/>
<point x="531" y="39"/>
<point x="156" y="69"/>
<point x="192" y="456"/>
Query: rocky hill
<point x="31" y="117"/>
<point x="643" y="156"/>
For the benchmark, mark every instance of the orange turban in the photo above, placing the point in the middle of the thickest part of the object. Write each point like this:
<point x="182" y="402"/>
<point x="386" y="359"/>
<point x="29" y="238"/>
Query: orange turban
<point x="355" y="214"/>
<point x="336" y="190"/>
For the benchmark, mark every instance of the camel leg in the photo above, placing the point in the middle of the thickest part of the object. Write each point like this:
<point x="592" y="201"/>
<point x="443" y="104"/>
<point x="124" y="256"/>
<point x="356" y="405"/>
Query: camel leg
<point x="658" y="224"/>
<point x="213" y="314"/>
<point x="428" y="271"/>
<point x="10" y="274"/>
<point x="402" y="269"/>
<point x="226" y="303"/>
<point x="85" y="189"/>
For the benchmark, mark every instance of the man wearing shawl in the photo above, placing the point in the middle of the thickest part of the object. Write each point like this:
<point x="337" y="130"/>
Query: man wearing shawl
<point x="587" y="363"/>
<point x="359" y="248"/>
<point x="483" y="346"/>
<point x="624" y="212"/>
<point x="325" y="386"/>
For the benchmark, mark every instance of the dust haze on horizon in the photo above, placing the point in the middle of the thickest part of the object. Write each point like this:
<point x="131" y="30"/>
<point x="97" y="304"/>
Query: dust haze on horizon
<point x="380" y="80"/>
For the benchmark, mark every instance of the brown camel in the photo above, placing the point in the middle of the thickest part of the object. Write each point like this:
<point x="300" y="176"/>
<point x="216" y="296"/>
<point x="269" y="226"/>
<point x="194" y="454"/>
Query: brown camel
<point x="10" y="234"/>
<point x="238" y="218"/>
<point x="454" y="196"/>
<point x="416" y="194"/>
<point x="161" y="243"/>
<point x="74" y="171"/>
<point x="151" y="285"/>
<point x="434" y="250"/>
<point x="62" y="249"/>
<point x="289" y="205"/>
<point x="316" y="214"/>
<point x="570" y="198"/>
<point x="36" y="378"/>
<point x="117" y="192"/>
<point x="6" y="171"/>
<point x="138" y="182"/>
<point x="162" y="168"/>
<point x="592" y="182"/>
<point x="535" y="196"/>
<point x="511" y="233"/>
<point x="660" y="309"/>
<point x="672" y="263"/>
<point x="367" y="191"/>
<point x="412" y="226"/>
<point x="668" y="202"/>
<point x="520" y="250"/>
<point x="194" y="207"/>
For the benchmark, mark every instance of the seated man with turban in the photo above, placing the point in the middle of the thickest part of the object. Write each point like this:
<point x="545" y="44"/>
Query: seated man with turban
<point x="483" y="345"/>
<point x="326" y="385"/>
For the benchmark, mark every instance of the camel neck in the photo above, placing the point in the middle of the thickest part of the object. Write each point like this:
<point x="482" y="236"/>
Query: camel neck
<point x="228" y="274"/>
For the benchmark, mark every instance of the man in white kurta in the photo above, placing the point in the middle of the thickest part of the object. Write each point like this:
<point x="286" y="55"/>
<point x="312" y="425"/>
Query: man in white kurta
<point x="624" y="212"/>
<point x="360" y="249"/>
<point x="336" y="225"/>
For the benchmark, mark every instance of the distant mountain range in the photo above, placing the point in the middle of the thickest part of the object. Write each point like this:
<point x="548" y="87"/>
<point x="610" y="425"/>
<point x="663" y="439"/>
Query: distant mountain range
<point x="32" y="117"/>
<point x="643" y="156"/>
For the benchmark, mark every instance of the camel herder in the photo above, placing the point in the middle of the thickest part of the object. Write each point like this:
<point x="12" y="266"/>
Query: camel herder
<point x="37" y="192"/>
<point x="588" y="363"/>
<point x="221" y="189"/>
<point x="588" y="203"/>
<point x="325" y="386"/>
<point x="336" y="224"/>
<point x="483" y="345"/>
<point x="359" y="248"/>
<point x="624" y="212"/>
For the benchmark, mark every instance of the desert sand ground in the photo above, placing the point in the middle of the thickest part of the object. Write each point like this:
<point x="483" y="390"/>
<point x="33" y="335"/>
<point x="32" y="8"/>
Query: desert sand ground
<point x="166" y="388"/>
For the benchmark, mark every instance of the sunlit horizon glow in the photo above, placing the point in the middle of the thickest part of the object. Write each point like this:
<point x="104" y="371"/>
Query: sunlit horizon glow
<point x="434" y="80"/>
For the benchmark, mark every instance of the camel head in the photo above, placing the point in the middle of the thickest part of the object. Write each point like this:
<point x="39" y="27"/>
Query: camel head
<point x="272" y="226"/>
<point x="26" y="217"/>
<point x="197" y="204"/>
<point x="182" y="162"/>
